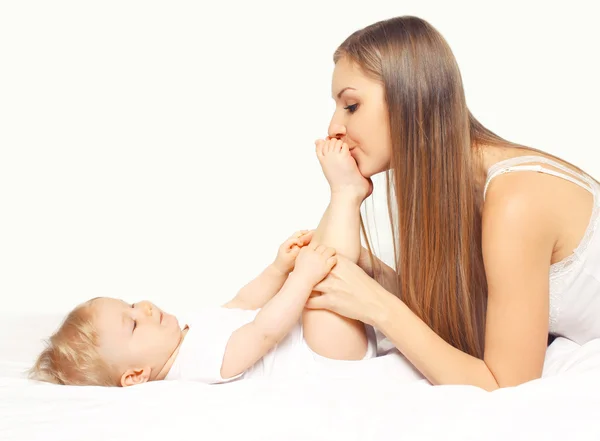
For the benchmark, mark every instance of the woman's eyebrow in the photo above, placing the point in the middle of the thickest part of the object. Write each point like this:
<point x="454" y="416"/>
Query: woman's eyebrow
<point x="341" y="92"/>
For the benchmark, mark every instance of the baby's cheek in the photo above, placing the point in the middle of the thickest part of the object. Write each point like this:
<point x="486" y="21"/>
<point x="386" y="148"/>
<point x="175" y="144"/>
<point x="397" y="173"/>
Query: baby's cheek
<point x="139" y="352"/>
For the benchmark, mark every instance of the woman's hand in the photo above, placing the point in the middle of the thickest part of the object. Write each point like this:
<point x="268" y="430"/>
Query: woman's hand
<point x="348" y="291"/>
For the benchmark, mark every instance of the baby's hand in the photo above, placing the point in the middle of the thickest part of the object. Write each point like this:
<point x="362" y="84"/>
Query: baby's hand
<point x="314" y="262"/>
<point x="288" y="251"/>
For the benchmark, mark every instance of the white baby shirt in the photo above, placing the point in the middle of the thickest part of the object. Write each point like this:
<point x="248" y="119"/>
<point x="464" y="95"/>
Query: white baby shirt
<point x="201" y="353"/>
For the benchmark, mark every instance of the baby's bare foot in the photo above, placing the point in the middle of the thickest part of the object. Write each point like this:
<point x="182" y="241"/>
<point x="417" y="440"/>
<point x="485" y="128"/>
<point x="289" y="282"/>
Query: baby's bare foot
<point x="341" y="170"/>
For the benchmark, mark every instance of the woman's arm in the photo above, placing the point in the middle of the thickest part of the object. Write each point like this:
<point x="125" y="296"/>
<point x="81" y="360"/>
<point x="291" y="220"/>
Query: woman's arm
<point x="379" y="270"/>
<point x="517" y="241"/>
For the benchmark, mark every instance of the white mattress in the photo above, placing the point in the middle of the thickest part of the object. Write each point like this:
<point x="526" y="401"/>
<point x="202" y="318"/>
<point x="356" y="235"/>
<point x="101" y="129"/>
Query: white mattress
<point x="379" y="401"/>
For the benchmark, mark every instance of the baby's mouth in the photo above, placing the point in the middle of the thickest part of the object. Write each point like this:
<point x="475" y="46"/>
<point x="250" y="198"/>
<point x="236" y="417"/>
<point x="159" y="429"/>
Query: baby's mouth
<point x="161" y="316"/>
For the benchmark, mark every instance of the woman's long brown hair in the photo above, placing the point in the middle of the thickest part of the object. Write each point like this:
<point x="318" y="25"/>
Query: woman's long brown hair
<point x="437" y="225"/>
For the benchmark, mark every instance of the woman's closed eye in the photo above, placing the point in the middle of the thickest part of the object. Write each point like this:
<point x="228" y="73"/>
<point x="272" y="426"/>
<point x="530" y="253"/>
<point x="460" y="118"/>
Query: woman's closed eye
<point x="351" y="108"/>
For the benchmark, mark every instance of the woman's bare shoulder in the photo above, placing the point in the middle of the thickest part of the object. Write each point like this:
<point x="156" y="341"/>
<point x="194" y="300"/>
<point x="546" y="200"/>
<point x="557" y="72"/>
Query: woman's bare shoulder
<point x="518" y="219"/>
<point x="518" y="194"/>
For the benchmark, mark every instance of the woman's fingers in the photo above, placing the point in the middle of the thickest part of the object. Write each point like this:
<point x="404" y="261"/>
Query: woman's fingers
<point x="331" y="261"/>
<point x="323" y="286"/>
<point x="317" y="302"/>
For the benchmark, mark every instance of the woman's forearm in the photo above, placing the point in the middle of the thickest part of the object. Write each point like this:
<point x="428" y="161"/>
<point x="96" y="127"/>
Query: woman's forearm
<point x="440" y="362"/>
<point x="386" y="276"/>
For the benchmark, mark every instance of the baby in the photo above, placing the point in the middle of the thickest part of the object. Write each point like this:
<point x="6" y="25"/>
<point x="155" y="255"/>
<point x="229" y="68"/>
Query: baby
<point x="263" y="330"/>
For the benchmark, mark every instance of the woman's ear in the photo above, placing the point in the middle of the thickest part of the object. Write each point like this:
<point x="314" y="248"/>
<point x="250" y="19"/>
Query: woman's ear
<point x="131" y="377"/>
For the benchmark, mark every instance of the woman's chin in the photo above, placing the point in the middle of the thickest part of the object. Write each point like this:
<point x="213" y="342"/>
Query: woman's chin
<point x="366" y="170"/>
<point x="370" y="170"/>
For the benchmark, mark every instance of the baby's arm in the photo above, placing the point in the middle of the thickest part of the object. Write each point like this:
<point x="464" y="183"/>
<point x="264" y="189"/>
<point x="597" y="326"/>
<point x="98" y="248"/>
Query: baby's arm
<point x="275" y="320"/>
<point x="259" y="291"/>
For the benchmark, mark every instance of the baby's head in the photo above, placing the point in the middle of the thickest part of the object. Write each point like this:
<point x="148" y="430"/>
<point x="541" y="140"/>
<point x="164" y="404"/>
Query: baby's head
<point x="108" y="342"/>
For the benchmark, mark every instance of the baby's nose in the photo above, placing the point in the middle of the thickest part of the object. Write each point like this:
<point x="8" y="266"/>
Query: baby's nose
<point x="145" y="307"/>
<point x="148" y="309"/>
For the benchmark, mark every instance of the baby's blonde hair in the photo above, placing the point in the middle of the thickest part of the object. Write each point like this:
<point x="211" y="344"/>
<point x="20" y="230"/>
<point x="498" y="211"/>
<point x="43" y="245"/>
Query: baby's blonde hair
<point x="71" y="355"/>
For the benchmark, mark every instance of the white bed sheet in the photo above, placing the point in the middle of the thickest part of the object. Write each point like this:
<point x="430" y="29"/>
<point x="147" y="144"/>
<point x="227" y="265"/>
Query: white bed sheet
<point x="370" y="403"/>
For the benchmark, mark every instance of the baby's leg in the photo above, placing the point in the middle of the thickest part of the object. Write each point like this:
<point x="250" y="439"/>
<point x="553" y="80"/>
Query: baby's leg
<point x="328" y="334"/>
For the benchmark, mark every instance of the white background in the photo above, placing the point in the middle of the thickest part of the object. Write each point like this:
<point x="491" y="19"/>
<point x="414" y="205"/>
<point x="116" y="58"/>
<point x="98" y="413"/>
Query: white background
<point x="164" y="150"/>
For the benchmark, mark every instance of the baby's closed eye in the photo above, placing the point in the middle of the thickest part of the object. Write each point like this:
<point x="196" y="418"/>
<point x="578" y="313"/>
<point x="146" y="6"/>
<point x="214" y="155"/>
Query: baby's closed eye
<point x="134" y="321"/>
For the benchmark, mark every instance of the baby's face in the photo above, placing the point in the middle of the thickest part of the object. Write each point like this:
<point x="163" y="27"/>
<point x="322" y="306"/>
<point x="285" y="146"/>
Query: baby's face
<point x="135" y="337"/>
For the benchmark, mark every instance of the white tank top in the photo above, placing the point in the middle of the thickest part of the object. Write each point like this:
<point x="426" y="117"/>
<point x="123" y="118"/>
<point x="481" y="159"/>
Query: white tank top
<point x="575" y="280"/>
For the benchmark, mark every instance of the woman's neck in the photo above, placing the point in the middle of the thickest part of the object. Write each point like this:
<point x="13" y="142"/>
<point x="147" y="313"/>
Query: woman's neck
<point x="484" y="156"/>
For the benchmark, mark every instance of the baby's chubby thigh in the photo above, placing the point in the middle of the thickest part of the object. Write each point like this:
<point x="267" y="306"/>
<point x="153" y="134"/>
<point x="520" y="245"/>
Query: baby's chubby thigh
<point x="293" y="357"/>
<point x="328" y="367"/>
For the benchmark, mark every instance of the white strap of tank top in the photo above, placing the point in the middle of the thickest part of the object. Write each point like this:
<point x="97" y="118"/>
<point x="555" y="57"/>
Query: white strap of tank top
<point x="536" y="168"/>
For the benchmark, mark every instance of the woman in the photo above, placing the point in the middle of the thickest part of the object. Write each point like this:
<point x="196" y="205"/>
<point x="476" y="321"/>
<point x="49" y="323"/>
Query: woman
<point x="495" y="242"/>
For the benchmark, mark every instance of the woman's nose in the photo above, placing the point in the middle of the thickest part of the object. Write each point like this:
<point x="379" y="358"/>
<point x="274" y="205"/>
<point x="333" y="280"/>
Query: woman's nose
<point x="336" y="131"/>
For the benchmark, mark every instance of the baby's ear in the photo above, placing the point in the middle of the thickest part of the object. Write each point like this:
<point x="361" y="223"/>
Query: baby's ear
<point x="131" y="377"/>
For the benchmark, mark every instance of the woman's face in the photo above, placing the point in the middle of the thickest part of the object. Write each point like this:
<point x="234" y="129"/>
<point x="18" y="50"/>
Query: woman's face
<point x="361" y="118"/>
